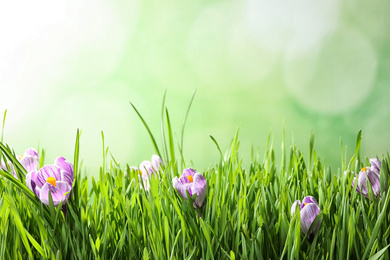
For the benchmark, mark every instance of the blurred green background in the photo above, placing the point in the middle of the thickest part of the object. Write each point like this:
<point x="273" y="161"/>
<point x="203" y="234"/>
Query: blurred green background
<point x="314" y="65"/>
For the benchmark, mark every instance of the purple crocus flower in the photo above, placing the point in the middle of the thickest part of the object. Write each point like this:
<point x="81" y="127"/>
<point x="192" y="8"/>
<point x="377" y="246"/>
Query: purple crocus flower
<point x="193" y="182"/>
<point x="309" y="210"/>
<point x="29" y="160"/>
<point x="372" y="173"/>
<point x="56" y="178"/>
<point x="147" y="169"/>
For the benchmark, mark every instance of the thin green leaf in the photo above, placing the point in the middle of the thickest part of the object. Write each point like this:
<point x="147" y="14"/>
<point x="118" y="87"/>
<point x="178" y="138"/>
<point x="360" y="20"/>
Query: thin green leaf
<point x="148" y="129"/>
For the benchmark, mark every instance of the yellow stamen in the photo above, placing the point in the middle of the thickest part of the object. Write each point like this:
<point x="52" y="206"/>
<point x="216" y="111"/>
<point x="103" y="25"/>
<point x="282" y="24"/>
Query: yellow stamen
<point x="52" y="181"/>
<point x="190" y="178"/>
<point x="139" y="172"/>
<point x="364" y="169"/>
<point x="20" y="157"/>
<point x="306" y="204"/>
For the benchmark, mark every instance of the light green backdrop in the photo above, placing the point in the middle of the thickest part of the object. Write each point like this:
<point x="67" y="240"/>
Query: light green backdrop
<point x="322" y="65"/>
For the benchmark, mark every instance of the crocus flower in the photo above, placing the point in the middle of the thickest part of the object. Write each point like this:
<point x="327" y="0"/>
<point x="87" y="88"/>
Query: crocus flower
<point x="29" y="160"/>
<point x="372" y="173"/>
<point x="309" y="210"/>
<point x="56" y="178"/>
<point x="193" y="182"/>
<point x="147" y="169"/>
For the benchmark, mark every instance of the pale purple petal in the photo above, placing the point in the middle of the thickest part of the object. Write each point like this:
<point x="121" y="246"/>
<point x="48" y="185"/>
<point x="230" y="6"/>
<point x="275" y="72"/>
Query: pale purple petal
<point x="67" y="177"/>
<point x="48" y="171"/>
<point x="157" y="162"/>
<point x="184" y="179"/>
<point x="181" y="188"/>
<point x="64" y="165"/>
<point x="146" y="166"/>
<point x="294" y="205"/>
<point x="44" y="193"/>
<point x="375" y="182"/>
<point x="375" y="165"/>
<point x="200" y="188"/>
<point x="189" y="171"/>
<point x="146" y="170"/>
<point x="66" y="170"/>
<point x="357" y="186"/>
<point x="309" y="199"/>
<point x="31" y="182"/>
<point x="31" y="152"/>
<point x="57" y="192"/>
<point x="362" y="183"/>
<point x="29" y="163"/>
<point x="308" y="214"/>
<point x="186" y="173"/>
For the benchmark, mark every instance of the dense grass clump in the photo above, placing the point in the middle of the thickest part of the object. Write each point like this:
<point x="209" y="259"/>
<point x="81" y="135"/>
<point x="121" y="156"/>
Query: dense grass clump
<point x="246" y="214"/>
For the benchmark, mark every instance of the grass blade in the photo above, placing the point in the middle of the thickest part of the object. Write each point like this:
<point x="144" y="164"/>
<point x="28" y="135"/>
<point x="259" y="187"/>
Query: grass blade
<point x="148" y="129"/>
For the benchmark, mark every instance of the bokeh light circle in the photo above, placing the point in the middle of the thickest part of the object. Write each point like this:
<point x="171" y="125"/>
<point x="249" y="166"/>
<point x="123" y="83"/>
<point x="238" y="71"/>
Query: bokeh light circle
<point x="334" y="76"/>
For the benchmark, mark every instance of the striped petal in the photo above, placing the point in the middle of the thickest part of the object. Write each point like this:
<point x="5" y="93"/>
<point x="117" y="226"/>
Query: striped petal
<point x="66" y="170"/>
<point x="294" y="206"/>
<point x="31" y="152"/>
<point x="375" y="165"/>
<point x="309" y="199"/>
<point x="29" y="163"/>
<point x="181" y="188"/>
<point x="47" y="171"/>
<point x="57" y="192"/>
<point x="199" y="186"/>
<point x="31" y="182"/>
<point x="308" y="214"/>
<point x="375" y="182"/>
<point x="362" y="183"/>
<point x="157" y="162"/>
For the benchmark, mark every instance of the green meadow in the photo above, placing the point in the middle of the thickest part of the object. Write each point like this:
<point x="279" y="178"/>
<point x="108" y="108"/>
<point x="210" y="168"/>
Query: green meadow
<point x="246" y="214"/>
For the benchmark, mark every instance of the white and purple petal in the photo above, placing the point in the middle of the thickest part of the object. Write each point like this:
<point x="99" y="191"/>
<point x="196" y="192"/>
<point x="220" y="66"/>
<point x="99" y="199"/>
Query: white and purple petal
<point x="157" y="162"/>
<point x="65" y="167"/>
<point x="31" y="182"/>
<point x="181" y="188"/>
<point x="31" y="152"/>
<point x="362" y="183"/>
<point x="308" y="214"/>
<point x="61" y="171"/>
<point x="195" y="185"/>
<point x="57" y="192"/>
<point x="309" y="199"/>
<point x="294" y="205"/>
<point x="357" y="186"/>
<point x="146" y="167"/>
<point x="188" y="172"/>
<point x="375" y="165"/>
<point x="66" y="170"/>
<point x="375" y="182"/>
<point x="47" y="171"/>
<point x="200" y="188"/>
<point x="29" y="163"/>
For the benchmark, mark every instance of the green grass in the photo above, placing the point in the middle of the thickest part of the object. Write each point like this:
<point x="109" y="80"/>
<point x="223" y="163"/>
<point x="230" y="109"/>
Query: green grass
<point x="246" y="214"/>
